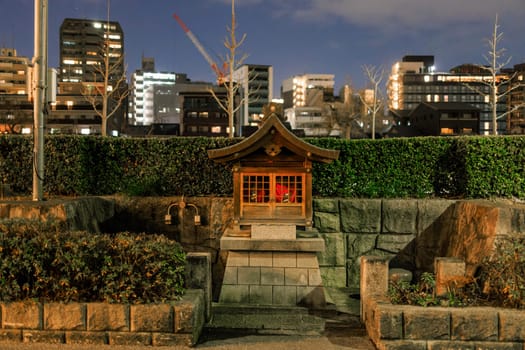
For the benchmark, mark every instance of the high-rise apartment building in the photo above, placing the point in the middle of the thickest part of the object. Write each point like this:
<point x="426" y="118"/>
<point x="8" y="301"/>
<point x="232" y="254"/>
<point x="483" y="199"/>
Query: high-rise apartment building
<point x="13" y="73"/>
<point x="146" y="91"/>
<point x="91" y="51"/>
<point x="16" y="110"/>
<point x="83" y="46"/>
<point x="256" y="91"/>
<point x="414" y="80"/>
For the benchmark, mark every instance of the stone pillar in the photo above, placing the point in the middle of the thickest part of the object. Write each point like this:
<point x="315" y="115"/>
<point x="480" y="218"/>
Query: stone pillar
<point x="450" y="272"/>
<point x="374" y="279"/>
<point x="198" y="276"/>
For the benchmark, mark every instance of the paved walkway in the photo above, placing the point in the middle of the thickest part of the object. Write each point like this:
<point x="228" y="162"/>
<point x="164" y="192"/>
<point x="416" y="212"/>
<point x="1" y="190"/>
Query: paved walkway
<point x="342" y="331"/>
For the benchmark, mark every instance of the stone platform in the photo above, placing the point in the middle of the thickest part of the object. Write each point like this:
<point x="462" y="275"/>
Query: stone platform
<point x="273" y="271"/>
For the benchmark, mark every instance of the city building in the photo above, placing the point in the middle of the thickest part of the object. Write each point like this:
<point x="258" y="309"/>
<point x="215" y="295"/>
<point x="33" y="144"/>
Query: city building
<point x="83" y="43"/>
<point x="201" y="114"/>
<point x="304" y="98"/>
<point x="13" y="73"/>
<point x="414" y="80"/>
<point x="445" y="119"/>
<point x="516" y="101"/>
<point x="91" y="51"/>
<point x="307" y="90"/>
<point x="150" y="95"/>
<point x="256" y="91"/>
<point x="311" y="120"/>
<point x="16" y="109"/>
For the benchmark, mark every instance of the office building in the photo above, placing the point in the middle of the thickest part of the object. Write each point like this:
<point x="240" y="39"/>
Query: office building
<point x="256" y="91"/>
<point x="414" y="80"/>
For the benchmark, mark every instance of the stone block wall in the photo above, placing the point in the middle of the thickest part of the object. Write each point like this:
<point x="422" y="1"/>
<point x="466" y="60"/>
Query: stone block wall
<point x="177" y="324"/>
<point x="352" y="228"/>
<point x="411" y="232"/>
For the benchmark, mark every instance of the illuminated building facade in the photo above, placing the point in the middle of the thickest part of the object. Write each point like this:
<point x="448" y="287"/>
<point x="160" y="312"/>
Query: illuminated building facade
<point x="16" y="110"/>
<point x="307" y="90"/>
<point x="414" y="80"/>
<point x="82" y="49"/>
<point x="147" y="89"/>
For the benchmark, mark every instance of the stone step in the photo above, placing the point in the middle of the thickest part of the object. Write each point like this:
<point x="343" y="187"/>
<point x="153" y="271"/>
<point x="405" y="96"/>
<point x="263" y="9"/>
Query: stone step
<point x="267" y="319"/>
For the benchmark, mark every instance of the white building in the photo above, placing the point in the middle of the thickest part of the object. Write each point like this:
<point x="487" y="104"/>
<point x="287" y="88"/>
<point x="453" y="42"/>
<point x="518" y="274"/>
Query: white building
<point x="142" y="96"/>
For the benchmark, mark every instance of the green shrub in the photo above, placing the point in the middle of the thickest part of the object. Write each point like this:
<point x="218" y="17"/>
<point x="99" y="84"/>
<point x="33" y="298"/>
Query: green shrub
<point x="38" y="261"/>
<point x="471" y="167"/>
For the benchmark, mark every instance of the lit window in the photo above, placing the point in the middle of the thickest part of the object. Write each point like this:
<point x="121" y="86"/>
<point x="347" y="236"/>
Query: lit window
<point x="215" y="129"/>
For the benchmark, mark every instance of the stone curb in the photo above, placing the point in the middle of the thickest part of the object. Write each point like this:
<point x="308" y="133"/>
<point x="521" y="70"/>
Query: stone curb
<point x="169" y="324"/>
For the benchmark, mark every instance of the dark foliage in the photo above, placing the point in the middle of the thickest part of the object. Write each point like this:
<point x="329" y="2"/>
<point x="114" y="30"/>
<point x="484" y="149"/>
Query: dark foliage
<point x="469" y="167"/>
<point x="40" y="261"/>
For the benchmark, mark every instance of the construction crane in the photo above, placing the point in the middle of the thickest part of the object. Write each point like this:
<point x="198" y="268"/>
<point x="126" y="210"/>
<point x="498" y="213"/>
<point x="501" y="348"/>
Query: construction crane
<point x="202" y="50"/>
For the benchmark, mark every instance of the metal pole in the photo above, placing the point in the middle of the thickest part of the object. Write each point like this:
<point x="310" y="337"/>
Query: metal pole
<point x="39" y="99"/>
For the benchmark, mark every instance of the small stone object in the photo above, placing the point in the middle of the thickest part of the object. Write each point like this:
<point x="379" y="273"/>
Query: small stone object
<point x="399" y="275"/>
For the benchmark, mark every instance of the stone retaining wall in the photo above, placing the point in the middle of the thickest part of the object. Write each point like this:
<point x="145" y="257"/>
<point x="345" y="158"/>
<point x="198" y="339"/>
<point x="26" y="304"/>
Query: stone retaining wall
<point x="177" y="323"/>
<point x="404" y="327"/>
<point x="412" y="232"/>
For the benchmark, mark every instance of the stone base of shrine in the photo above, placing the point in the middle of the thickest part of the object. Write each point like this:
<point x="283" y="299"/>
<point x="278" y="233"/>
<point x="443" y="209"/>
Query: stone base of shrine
<point x="286" y="277"/>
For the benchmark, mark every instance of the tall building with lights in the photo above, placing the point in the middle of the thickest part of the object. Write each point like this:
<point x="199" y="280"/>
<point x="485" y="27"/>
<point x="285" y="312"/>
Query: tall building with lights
<point x="16" y="110"/>
<point x="256" y="91"/>
<point x="13" y="73"/>
<point x="83" y="46"/>
<point x="147" y="89"/>
<point x="414" y="80"/>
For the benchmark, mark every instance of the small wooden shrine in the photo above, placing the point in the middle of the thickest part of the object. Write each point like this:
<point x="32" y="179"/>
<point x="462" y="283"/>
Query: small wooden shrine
<point x="269" y="262"/>
<point x="272" y="175"/>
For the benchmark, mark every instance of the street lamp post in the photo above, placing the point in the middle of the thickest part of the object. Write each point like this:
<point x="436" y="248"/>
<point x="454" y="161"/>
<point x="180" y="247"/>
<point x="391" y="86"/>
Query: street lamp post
<point x="39" y="95"/>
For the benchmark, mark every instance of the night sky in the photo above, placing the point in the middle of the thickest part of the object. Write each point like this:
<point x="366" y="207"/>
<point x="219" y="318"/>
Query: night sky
<point x="295" y="36"/>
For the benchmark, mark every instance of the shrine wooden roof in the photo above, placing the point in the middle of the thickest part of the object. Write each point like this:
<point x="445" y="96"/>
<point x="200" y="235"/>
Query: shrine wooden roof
<point x="273" y="133"/>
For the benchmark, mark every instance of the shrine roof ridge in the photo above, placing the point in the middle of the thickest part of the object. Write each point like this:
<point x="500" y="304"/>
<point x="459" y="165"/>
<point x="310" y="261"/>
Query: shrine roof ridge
<point x="261" y="138"/>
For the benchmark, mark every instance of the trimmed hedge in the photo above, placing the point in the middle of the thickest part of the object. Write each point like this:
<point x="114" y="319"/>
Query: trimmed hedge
<point x="39" y="261"/>
<point x="470" y="167"/>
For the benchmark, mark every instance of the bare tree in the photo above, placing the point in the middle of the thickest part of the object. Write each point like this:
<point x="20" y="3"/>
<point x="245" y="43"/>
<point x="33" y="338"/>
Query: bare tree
<point x="375" y="76"/>
<point x="232" y="63"/>
<point x="344" y="114"/>
<point x="109" y="86"/>
<point x="499" y="85"/>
